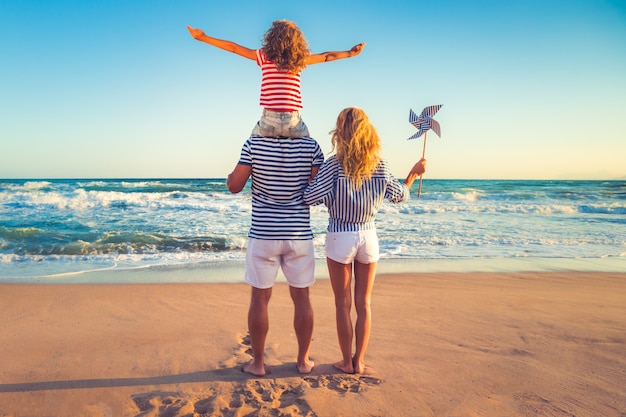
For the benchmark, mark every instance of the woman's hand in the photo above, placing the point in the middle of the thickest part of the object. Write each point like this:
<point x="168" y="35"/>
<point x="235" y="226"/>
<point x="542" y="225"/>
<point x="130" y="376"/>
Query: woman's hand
<point x="418" y="169"/>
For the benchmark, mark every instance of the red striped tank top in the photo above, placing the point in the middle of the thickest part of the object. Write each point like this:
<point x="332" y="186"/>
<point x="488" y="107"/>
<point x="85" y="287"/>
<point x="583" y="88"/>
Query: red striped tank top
<point x="280" y="90"/>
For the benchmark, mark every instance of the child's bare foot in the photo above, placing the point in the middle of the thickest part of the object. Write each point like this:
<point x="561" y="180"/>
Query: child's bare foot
<point x="306" y="367"/>
<point x="345" y="367"/>
<point x="254" y="369"/>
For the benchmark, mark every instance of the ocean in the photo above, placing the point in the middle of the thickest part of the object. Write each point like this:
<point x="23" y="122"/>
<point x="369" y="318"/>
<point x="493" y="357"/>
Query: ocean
<point x="56" y="229"/>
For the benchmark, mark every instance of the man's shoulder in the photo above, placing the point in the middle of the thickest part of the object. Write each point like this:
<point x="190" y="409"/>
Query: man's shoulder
<point x="273" y="141"/>
<point x="309" y="141"/>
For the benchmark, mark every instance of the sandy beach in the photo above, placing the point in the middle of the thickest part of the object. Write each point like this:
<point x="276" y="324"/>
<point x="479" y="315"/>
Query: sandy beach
<point x="443" y="344"/>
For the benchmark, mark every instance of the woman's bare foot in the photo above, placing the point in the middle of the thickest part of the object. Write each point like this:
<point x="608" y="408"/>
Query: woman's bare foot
<point x="306" y="367"/>
<point x="254" y="369"/>
<point x="348" y="368"/>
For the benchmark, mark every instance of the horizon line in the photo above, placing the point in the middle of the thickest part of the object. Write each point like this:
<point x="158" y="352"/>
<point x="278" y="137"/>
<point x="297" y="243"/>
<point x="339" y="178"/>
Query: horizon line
<point x="224" y="178"/>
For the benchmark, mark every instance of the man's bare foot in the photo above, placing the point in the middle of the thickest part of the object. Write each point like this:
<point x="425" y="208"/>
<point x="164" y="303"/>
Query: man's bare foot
<point x="359" y="367"/>
<point x="254" y="369"/>
<point x="306" y="367"/>
<point x="345" y="367"/>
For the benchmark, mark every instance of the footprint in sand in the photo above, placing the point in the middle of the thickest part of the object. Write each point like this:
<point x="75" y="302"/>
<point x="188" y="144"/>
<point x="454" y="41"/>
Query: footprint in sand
<point x="160" y="401"/>
<point x="273" y="394"/>
<point x="258" y="397"/>
<point x="267" y="396"/>
<point x="241" y="354"/>
<point x="343" y="383"/>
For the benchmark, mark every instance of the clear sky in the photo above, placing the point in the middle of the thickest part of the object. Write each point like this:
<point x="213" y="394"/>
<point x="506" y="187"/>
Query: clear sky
<point x="531" y="89"/>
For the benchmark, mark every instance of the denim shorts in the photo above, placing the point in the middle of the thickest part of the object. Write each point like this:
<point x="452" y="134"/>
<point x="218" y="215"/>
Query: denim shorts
<point x="287" y="124"/>
<point x="346" y="247"/>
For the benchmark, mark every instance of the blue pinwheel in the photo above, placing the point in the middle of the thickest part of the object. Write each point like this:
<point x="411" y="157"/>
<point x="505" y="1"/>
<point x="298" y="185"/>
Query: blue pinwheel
<point x="424" y="122"/>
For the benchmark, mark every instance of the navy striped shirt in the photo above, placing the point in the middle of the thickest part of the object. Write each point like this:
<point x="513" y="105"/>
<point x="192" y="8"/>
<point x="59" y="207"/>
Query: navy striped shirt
<point x="350" y="209"/>
<point x="281" y="169"/>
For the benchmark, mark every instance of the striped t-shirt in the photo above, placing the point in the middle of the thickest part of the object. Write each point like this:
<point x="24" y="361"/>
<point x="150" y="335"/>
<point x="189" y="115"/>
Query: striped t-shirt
<point x="281" y="169"/>
<point x="280" y="90"/>
<point x="352" y="209"/>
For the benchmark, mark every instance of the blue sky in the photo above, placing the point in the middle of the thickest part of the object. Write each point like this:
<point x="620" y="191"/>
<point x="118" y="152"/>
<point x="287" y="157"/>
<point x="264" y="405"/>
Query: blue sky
<point x="531" y="89"/>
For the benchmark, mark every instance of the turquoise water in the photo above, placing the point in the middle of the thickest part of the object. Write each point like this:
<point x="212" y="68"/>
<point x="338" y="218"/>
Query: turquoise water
<point x="65" y="228"/>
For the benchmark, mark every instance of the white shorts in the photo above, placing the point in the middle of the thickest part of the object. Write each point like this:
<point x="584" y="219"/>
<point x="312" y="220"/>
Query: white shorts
<point x="295" y="257"/>
<point x="346" y="247"/>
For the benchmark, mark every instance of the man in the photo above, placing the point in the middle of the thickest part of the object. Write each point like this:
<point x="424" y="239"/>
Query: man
<point x="280" y="235"/>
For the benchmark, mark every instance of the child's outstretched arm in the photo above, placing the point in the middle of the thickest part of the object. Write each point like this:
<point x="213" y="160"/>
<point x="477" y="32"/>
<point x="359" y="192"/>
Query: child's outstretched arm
<point x="335" y="55"/>
<point x="223" y="44"/>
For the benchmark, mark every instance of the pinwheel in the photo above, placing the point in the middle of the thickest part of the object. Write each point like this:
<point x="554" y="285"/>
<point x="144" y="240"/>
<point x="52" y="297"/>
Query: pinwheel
<point x="424" y="122"/>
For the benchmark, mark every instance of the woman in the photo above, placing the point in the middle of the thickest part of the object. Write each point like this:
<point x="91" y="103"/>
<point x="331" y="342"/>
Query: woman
<point x="353" y="183"/>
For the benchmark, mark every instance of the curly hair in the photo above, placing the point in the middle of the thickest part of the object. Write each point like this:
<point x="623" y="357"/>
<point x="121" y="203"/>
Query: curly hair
<point x="285" y="45"/>
<point x="357" y="144"/>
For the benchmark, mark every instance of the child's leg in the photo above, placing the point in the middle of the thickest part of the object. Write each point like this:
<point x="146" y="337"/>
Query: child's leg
<point x="292" y="125"/>
<point x="287" y="124"/>
<point x="298" y="131"/>
<point x="264" y="127"/>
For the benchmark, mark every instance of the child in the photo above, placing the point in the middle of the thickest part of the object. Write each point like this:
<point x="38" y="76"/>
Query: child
<point x="283" y="55"/>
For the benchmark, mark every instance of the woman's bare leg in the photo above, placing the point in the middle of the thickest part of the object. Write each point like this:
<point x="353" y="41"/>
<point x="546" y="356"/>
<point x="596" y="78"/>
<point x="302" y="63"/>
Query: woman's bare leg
<point x="364" y="275"/>
<point x="340" y="279"/>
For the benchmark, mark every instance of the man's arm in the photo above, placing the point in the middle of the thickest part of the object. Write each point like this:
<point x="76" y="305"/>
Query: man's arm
<point x="314" y="171"/>
<point x="223" y="44"/>
<point x="237" y="179"/>
<point x="335" y="55"/>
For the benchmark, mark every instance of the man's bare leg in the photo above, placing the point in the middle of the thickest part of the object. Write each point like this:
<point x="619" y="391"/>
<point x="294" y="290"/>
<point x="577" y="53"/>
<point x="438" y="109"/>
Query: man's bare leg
<point x="258" y="326"/>
<point x="364" y="275"/>
<point x="340" y="279"/>
<point x="303" y="325"/>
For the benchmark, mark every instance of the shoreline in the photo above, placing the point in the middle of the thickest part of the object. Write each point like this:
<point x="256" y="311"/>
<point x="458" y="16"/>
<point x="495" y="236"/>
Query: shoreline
<point x="232" y="271"/>
<point x="489" y="344"/>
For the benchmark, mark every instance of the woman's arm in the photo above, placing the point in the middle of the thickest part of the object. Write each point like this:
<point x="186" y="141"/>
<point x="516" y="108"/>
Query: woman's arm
<point x="418" y="169"/>
<point x="323" y="184"/>
<point x="397" y="192"/>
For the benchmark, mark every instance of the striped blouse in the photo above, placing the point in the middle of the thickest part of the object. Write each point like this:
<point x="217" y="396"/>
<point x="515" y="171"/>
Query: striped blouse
<point x="349" y="209"/>
<point x="280" y="90"/>
<point x="281" y="169"/>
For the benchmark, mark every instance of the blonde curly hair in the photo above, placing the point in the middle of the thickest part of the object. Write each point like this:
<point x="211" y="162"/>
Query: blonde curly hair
<point x="357" y="144"/>
<point x="285" y="45"/>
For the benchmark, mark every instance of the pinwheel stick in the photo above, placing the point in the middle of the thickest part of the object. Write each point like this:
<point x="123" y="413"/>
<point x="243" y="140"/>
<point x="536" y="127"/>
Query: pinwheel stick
<point x="419" y="188"/>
